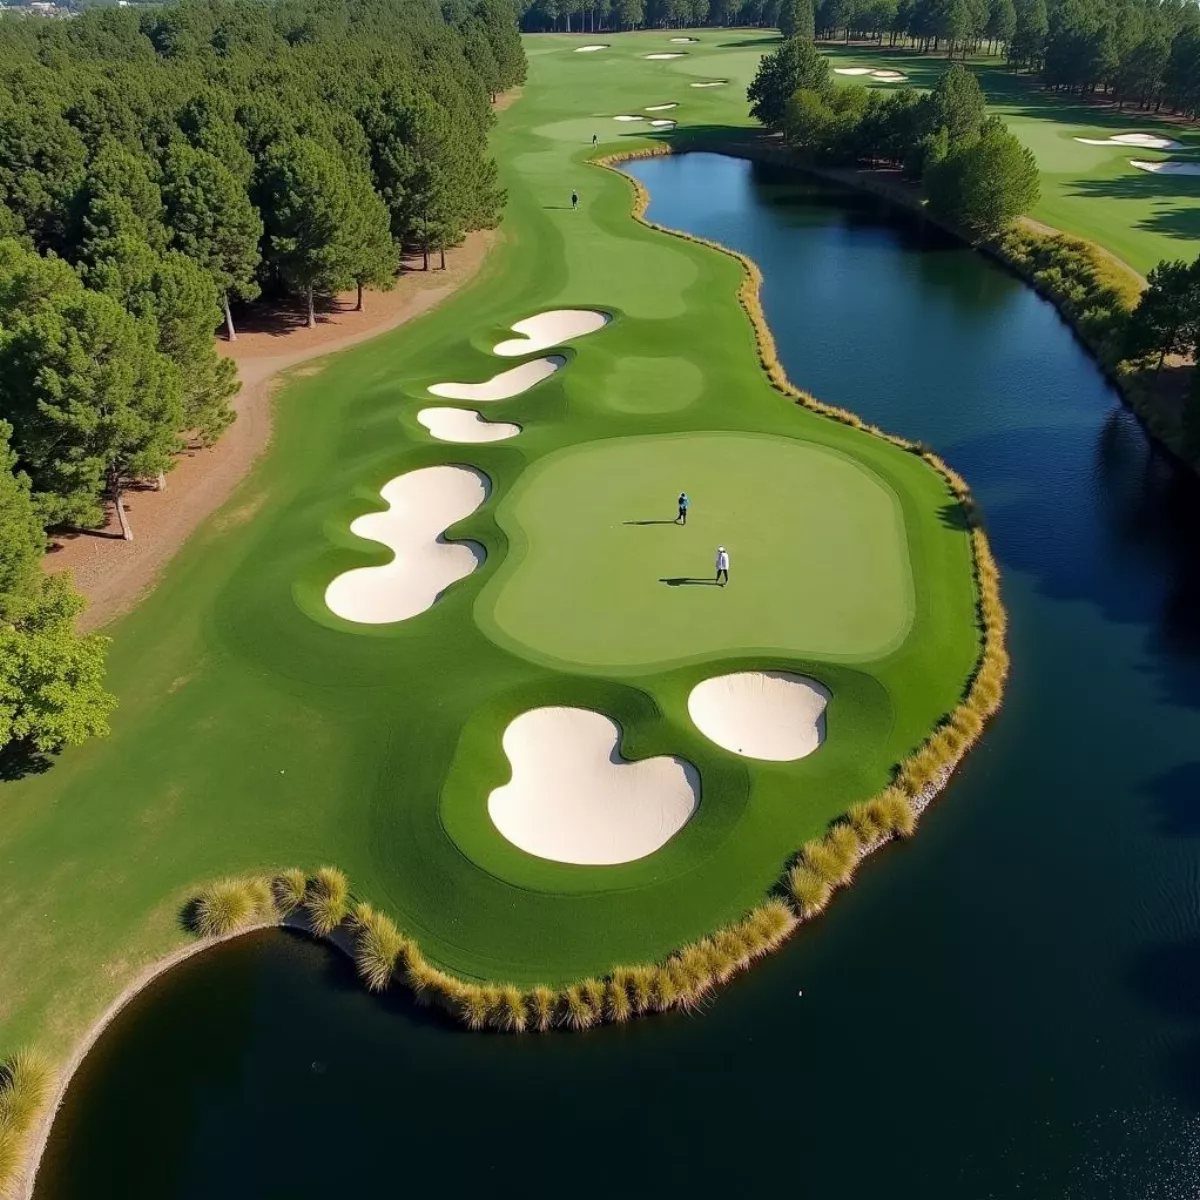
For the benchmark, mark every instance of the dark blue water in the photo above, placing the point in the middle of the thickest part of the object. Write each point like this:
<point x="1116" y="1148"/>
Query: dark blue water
<point x="1007" y="1007"/>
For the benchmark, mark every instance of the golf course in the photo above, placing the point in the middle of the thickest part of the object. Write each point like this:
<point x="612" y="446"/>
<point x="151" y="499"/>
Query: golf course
<point x="451" y="637"/>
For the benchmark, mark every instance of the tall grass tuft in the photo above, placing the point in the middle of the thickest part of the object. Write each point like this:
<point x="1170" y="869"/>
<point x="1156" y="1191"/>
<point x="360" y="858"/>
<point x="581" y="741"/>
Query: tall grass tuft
<point x="509" y="1014"/>
<point x="223" y="907"/>
<point x="475" y="1004"/>
<point x="664" y="990"/>
<point x="774" y="920"/>
<point x="24" y="1089"/>
<point x="378" y="945"/>
<point x="583" y="1003"/>
<point x="290" y="887"/>
<point x="262" y="896"/>
<point x="895" y="812"/>
<point x="863" y="819"/>
<point x="809" y="890"/>
<point x="430" y="984"/>
<point x="827" y="860"/>
<point x="617" y="1006"/>
<point x="543" y="1006"/>
<point x="328" y="900"/>
<point x="641" y="988"/>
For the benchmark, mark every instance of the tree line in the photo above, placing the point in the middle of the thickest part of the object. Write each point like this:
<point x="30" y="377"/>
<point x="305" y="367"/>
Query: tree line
<point x="158" y="167"/>
<point x="974" y="173"/>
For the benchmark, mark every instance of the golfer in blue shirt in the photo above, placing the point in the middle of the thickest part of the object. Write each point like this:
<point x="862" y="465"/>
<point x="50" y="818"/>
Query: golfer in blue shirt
<point x="683" y="507"/>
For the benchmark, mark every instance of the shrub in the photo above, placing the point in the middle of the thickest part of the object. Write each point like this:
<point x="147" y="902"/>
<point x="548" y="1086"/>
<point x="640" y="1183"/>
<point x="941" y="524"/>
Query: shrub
<point x="328" y="900"/>
<point x="378" y="945"/>
<point x="223" y="907"/>
<point x="290" y="887"/>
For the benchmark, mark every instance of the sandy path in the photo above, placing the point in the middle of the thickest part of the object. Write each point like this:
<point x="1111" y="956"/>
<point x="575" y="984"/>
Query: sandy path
<point x="114" y="574"/>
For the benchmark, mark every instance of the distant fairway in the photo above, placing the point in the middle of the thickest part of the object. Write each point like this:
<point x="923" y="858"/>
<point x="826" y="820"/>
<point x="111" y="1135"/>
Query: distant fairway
<point x="608" y="581"/>
<point x="1090" y="191"/>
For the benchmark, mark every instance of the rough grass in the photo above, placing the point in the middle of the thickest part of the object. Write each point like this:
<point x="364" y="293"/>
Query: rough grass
<point x="327" y="900"/>
<point x="25" y="1080"/>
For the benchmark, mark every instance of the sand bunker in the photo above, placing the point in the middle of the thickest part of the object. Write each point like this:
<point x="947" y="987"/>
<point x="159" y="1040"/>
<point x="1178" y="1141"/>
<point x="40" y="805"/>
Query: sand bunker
<point x="503" y="386"/>
<point x="574" y="799"/>
<point x="710" y="83"/>
<point x="889" y="75"/>
<point x="628" y="117"/>
<point x="661" y="107"/>
<point x="663" y="124"/>
<point x="1166" y="168"/>
<point x="464" y="425"/>
<point x="852" y="70"/>
<point x="549" y="329"/>
<point x="589" y="49"/>
<point x="1149" y="141"/>
<point x="671" y="54"/>
<point x="422" y="505"/>
<point x="772" y="715"/>
<point x="685" y="39"/>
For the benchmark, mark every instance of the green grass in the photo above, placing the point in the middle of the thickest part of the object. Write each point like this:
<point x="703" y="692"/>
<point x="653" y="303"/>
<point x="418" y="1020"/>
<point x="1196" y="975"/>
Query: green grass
<point x="256" y="730"/>
<point x="1089" y="191"/>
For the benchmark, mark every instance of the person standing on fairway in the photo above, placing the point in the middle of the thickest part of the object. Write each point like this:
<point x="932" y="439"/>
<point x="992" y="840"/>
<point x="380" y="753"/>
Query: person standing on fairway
<point x="594" y="139"/>
<point x="683" y="507"/>
<point x="722" y="565"/>
<point x="574" y="199"/>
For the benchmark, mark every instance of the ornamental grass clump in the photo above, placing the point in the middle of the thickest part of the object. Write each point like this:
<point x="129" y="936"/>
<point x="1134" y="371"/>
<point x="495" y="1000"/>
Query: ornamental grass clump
<point x="509" y="1014"/>
<point x="543" y="1005"/>
<point x="617" y="1006"/>
<point x="224" y="906"/>
<point x="378" y="946"/>
<point x="664" y="990"/>
<point x="578" y="1010"/>
<point x="327" y="900"/>
<point x="829" y="860"/>
<point x="24" y="1089"/>
<point x="641" y="988"/>
<point x="809" y="890"/>
<point x="290" y="888"/>
<point x="475" y="1004"/>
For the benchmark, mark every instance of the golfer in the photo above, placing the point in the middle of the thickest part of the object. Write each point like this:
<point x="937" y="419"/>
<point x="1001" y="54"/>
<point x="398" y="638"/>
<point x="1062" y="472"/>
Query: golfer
<point x="683" y="507"/>
<point x="722" y="565"/>
<point x="574" y="199"/>
<point x="594" y="139"/>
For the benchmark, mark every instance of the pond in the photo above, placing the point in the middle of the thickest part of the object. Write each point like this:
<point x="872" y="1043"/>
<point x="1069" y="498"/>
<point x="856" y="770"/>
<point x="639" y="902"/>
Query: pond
<point x="1009" y="1005"/>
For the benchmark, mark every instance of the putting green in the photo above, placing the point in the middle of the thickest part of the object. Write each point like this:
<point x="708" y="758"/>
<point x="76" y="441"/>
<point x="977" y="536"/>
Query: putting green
<point x="605" y="580"/>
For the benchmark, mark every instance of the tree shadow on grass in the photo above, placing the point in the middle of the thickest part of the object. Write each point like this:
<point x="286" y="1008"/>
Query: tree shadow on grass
<point x="19" y="759"/>
<point x="1181" y="191"/>
<point x="956" y="515"/>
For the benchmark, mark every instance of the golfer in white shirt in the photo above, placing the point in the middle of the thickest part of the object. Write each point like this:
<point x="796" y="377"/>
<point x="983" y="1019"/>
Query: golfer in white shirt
<point x="722" y="565"/>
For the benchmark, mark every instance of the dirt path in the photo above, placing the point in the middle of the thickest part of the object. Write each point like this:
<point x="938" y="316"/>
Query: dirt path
<point x="114" y="574"/>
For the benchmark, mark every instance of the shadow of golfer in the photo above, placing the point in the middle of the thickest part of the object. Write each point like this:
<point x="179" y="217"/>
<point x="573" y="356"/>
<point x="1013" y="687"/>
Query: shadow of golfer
<point x="664" y="522"/>
<point x="686" y="581"/>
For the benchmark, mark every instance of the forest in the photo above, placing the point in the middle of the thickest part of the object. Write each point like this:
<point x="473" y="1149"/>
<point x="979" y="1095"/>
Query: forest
<point x="157" y="168"/>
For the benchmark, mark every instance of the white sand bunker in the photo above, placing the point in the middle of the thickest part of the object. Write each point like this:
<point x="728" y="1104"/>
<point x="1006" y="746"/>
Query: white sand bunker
<point x="422" y="505"/>
<point x="852" y="70"/>
<point x="663" y="124"/>
<point x="1149" y="141"/>
<point x="589" y="49"/>
<point x="503" y="386"/>
<point x="464" y="425"/>
<point x="685" y="39"/>
<point x="628" y="117"/>
<point x="670" y="54"/>
<point x="710" y="83"/>
<point x="1166" y="168"/>
<point x="662" y="107"/>
<point x="889" y="75"/>
<point x="549" y="329"/>
<point x="574" y="799"/>
<point x="772" y="715"/>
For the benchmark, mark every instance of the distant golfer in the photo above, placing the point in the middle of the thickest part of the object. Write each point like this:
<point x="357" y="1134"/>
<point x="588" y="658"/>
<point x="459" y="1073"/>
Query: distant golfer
<point x="683" y="507"/>
<point x="594" y="139"/>
<point x="574" y="199"/>
<point x="722" y="565"/>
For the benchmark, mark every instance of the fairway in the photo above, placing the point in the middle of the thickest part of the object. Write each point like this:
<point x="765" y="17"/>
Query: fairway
<point x="609" y="580"/>
<point x="271" y="716"/>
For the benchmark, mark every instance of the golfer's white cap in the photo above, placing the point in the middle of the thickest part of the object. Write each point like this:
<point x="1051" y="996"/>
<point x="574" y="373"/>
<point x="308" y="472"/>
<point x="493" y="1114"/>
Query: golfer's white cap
<point x="720" y="547"/>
